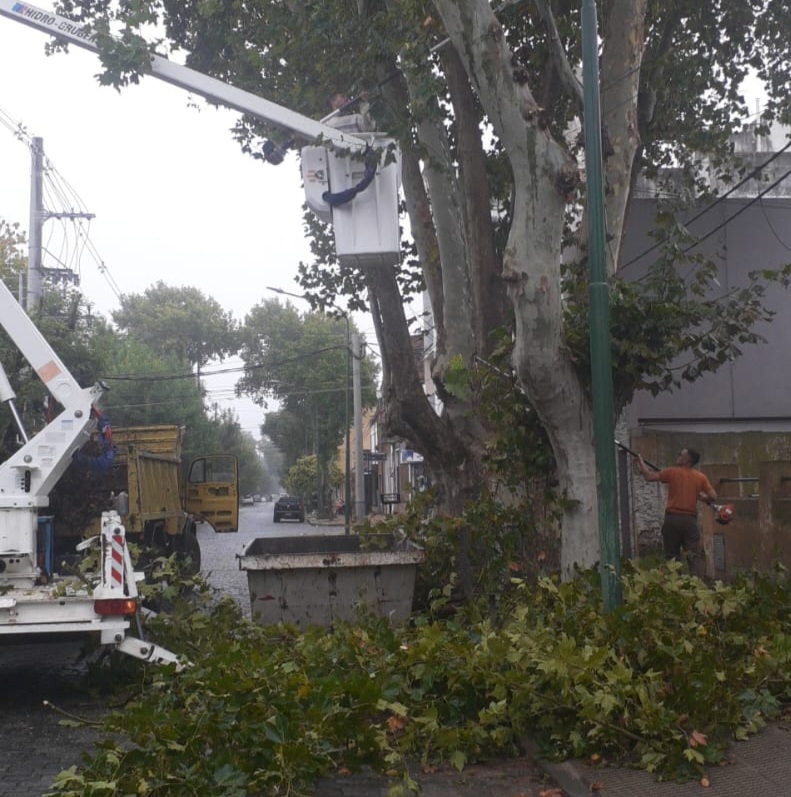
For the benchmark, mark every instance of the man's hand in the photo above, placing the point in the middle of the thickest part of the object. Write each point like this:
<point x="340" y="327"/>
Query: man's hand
<point x="648" y="474"/>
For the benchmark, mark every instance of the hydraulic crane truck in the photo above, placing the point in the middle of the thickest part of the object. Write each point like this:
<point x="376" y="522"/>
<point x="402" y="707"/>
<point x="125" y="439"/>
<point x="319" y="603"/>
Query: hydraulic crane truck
<point x="351" y="180"/>
<point x="33" y="599"/>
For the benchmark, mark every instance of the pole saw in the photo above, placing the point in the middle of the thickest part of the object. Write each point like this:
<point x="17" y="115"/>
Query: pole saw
<point x="635" y="454"/>
<point x="723" y="513"/>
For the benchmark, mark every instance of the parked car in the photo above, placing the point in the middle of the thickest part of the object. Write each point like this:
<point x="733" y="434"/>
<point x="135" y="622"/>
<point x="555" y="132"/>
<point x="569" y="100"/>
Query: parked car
<point x="289" y="507"/>
<point x="247" y="500"/>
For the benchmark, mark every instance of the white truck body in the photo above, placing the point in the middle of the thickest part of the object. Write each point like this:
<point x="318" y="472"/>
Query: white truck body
<point x="33" y="601"/>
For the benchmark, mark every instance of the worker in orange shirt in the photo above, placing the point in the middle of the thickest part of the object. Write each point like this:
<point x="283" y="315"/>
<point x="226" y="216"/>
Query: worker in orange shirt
<point x="686" y="486"/>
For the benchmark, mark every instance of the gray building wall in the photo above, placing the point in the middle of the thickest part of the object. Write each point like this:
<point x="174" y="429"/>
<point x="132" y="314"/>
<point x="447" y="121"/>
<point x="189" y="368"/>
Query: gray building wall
<point x="740" y="415"/>
<point x="755" y="389"/>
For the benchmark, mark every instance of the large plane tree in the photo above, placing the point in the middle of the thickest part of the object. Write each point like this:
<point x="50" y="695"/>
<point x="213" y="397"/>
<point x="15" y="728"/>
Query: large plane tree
<point x="487" y="106"/>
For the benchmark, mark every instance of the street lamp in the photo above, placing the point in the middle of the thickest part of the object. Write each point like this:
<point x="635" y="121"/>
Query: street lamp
<point x="347" y="487"/>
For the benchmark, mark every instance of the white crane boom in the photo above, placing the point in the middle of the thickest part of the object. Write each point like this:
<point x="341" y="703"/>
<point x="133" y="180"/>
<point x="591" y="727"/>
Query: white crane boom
<point x="182" y="76"/>
<point x="339" y="187"/>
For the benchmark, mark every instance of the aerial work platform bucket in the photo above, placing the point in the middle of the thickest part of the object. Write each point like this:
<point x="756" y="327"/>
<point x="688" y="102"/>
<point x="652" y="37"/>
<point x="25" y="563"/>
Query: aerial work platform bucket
<point x="366" y="225"/>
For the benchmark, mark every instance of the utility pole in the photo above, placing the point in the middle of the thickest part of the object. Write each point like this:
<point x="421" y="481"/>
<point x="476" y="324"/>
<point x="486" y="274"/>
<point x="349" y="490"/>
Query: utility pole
<point x="33" y="292"/>
<point x="359" y="464"/>
<point x="347" y="473"/>
<point x="599" y="301"/>
<point x="319" y="496"/>
<point x="35" y="271"/>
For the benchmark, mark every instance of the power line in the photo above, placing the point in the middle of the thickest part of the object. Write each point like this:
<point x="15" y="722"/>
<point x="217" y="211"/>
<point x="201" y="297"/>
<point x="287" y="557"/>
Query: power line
<point x="771" y="226"/>
<point x="717" y="202"/>
<point x="59" y="193"/>
<point x="230" y="370"/>
<point x="739" y="211"/>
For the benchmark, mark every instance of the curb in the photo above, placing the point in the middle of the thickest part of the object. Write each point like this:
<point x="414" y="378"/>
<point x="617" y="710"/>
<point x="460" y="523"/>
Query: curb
<point x="563" y="774"/>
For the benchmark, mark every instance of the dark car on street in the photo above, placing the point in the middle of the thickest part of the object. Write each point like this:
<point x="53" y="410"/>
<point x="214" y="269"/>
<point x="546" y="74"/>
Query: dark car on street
<point x="289" y="507"/>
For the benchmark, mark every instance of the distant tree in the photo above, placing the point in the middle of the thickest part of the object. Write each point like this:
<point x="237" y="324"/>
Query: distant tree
<point x="301" y="362"/>
<point x="302" y="477"/>
<point x="12" y="259"/>
<point x="146" y="387"/>
<point x="273" y="461"/>
<point x="180" y="322"/>
<point x="289" y="437"/>
<point x="233" y="440"/>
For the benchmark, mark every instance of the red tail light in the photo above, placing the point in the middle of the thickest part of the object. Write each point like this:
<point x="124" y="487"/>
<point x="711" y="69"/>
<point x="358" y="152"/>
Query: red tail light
<point x="115" y="606"/>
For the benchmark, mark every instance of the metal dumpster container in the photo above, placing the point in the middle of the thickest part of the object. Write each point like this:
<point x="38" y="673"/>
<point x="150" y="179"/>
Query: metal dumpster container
<point x="316" y="580"/>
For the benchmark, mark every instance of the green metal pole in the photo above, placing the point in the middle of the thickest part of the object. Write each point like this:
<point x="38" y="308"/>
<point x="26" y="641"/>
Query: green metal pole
<point x="601" y="365"/>
<point x="347" y="487"/>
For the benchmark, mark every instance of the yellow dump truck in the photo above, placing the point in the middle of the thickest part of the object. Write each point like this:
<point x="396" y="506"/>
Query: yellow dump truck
<point x="159" y="500"/>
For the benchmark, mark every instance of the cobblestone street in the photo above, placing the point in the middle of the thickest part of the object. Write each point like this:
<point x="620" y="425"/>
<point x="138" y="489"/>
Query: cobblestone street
<point x="35" y="747"/>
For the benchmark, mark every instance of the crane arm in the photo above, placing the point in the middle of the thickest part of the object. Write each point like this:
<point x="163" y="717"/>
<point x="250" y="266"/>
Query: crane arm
<point x="182" y="76"/>
<point x="29" y="474"/>
<point x="23" y="332"/>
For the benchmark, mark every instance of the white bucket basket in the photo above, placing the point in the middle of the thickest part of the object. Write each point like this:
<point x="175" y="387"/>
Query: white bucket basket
<point x="366" y="228"/>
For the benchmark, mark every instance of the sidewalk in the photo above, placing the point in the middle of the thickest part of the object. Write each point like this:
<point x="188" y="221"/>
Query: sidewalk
<point x="518" y="777"/>
<point x="759" y="767"/>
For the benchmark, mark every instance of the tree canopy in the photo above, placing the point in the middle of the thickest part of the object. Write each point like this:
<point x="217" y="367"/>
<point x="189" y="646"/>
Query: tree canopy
<point x="302" y="362"/>
<point x="487" y="107"/>
<point x="178" y="321"/>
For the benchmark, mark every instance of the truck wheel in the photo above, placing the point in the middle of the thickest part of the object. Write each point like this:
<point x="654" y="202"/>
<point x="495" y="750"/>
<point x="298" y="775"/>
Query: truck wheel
<point x="189" y="550"/>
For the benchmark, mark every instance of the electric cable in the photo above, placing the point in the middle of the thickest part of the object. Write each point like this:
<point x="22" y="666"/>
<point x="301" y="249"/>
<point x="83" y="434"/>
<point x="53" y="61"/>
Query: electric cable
<point x="715" y="203"/>
<point x="58" y="192"/>
<point x="741" y="210"/>
<point x="771" y="226"/>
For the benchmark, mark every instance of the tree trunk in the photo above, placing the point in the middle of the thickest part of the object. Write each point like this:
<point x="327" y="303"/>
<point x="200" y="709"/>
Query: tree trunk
<point x="453" y="244"/>
<point x="532" y="266"/>
<point x="620" y="78"/>
<point x="488" y="296"/>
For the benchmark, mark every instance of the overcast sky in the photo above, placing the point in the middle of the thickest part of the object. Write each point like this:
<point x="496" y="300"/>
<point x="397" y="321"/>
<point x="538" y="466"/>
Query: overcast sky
<point x="174" y="197"/>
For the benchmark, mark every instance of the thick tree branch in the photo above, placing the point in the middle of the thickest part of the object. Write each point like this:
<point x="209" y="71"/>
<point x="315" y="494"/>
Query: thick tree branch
<point x="621" y="60"/>
<point x="569" y="81"/>
<point x="489" y="299"/>
<point x="419" y="210"/>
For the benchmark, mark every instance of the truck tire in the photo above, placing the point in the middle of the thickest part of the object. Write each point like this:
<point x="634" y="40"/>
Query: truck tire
<point x="189" y="549"/>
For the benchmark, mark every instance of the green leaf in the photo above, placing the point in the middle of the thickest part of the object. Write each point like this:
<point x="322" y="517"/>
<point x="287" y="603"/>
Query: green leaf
<point x="458" y="759"/>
